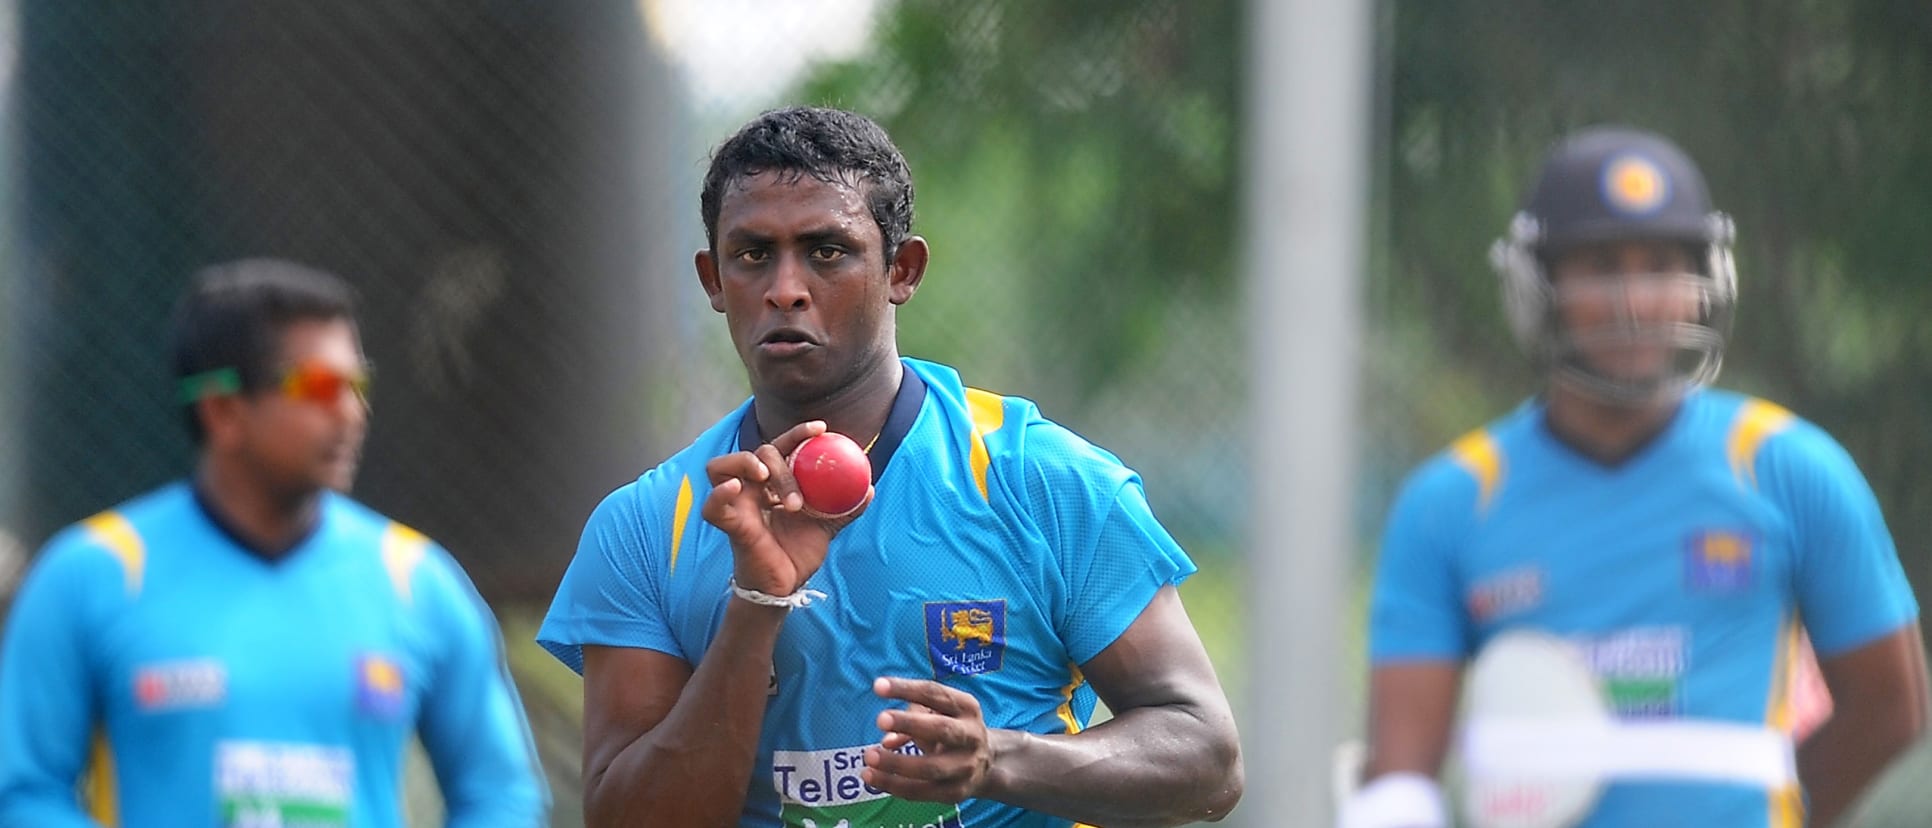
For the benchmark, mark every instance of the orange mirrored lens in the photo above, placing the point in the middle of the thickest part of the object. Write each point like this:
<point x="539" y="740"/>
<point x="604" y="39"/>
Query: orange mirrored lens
<point x="322" y="384"/>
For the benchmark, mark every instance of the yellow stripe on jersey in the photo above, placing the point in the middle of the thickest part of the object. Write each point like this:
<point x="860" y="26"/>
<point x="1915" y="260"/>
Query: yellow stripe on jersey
<point x="1787" y="807"/>
<point x="1756" y="421"/>
<point x="1065" y="710"/>
<point x="113" y="531"/>
<point x="1786" y="804"/>
<point x="988" y="411"/>
<point x="402" y="550"/>
<point x="98" y="787"/>
<point x="1777" y="709"/>
<point x="678" y="518"/>
<point x="1478" y="453"/>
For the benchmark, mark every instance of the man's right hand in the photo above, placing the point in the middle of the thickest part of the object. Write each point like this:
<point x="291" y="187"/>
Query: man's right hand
<point x="775" y="544"/>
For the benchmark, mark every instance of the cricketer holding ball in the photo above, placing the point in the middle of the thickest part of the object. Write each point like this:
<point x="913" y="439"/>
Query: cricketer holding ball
<point x="929" y="660"/>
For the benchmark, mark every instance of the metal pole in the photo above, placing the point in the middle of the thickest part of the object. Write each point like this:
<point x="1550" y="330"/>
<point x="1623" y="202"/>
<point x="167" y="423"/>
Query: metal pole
<point x="13" y="558"/>
<point x="1308" y="110"/>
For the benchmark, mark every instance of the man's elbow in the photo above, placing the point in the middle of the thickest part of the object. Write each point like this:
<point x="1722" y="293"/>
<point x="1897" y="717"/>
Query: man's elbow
<point x="1223" y="800"/>
<point x="1207" y="793"/>
<point x="1226" y="781"/>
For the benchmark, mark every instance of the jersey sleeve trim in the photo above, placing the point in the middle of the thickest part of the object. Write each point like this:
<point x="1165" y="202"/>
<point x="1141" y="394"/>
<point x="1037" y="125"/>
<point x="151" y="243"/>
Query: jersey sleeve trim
<point x="1786" y="802"/>
<point x="1778" y="714"/>
<point x="988" y="412"/>
<point x="1478" y="453"/>
<point x="118" y="536"/>
<point x="98" y="784"/>
<point x="678" y="518"/>
<point x="1065" y="710"/>
<point x="1757" y="421"/>
<point x="402" y="551"/>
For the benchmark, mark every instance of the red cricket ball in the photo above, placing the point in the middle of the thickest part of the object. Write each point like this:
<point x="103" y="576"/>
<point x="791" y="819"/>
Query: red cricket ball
<point x="833" y="474"/>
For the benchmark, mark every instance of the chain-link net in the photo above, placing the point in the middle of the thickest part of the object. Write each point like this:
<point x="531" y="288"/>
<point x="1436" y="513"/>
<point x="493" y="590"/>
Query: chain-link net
<point x="480" y="173"/>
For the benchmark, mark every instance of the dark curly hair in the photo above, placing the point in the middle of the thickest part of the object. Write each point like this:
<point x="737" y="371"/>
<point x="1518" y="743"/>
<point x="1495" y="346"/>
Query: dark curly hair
<point x="831" y="145"/>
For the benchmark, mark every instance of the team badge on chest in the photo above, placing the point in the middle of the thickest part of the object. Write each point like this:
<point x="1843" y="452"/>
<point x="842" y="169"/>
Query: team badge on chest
<point x="965" y="638"/>
<point x="379" y="686"/>
<point x="1718" y="561"/>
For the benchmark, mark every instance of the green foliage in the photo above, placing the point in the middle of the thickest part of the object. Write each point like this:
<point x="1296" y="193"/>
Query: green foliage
<point x="1080" y="156"/>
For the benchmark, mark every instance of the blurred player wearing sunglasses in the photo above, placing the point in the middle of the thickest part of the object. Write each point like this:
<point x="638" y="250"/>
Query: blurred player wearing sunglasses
<point x="250" y="646"/>
<point x="1680" y="539"/>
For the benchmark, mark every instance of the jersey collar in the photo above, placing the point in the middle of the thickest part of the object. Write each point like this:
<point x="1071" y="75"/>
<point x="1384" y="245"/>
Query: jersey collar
<point x="905" y="409"/>
<point x="221" y="524"/>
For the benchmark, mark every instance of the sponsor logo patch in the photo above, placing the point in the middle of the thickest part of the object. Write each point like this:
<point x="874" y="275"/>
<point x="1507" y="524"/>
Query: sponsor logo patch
<point x="180" y="685"/>
<point x="1506" y="593"/>
<point x="965" y="638"/>
<point x="283" y="785"/>
<point x="1718" y="561"/>
<point x="822" y="789"/>
<point x="1640" y="669"/>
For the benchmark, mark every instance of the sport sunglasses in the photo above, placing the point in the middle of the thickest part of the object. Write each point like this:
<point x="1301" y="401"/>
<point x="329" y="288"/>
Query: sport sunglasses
<point x="311" y="381"/>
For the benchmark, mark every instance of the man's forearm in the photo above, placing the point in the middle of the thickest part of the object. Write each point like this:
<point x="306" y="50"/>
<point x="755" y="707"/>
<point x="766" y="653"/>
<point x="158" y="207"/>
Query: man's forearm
<point x="694" y="767"/>
<point x="1843" y="757"/>
<point x="1151" y="766"/>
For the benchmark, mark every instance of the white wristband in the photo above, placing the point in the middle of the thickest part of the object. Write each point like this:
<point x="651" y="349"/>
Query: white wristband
<point x="801" y="598"/>
<point x="1396" y="800"/>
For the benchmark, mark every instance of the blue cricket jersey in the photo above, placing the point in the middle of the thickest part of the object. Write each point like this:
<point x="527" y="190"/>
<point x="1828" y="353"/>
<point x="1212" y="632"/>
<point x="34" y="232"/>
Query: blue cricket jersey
<point x="192" y="682"/>
<point x="1001" y="552"/>
<point x="1684" y="573"/>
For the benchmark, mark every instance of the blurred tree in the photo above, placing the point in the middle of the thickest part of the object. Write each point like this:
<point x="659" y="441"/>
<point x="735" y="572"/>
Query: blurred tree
<point x="1080" y="156"/>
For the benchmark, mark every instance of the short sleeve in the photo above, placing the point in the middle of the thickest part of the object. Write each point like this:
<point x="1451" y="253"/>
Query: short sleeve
<point x="1112" y="553"/>
<point x="1850" y="586"/>
<point x="1415" y="612"/>
<point x="47" y="683"/>
<point x="473" y="724"/>
<point x="612" y="594"/>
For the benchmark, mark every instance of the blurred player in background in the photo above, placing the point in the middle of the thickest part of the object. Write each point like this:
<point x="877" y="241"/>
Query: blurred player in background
<point x="1004" y="574"/>
<point x="1681" y="538"/>
<point x="250" y="647"/>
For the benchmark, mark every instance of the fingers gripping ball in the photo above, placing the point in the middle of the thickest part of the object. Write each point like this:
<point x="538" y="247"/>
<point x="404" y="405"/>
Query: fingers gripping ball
<point x="833" y="474"/>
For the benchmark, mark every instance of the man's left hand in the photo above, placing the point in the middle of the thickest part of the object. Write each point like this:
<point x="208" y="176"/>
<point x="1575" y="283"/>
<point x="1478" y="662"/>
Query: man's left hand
<point x="955" y="750"/>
